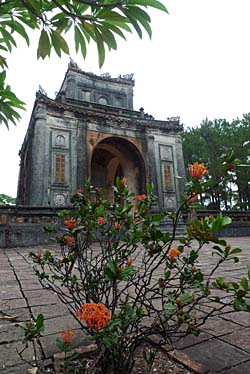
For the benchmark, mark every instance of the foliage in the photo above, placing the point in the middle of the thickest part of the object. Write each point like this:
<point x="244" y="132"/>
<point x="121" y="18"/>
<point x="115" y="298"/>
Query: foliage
<point x="127" y="281"/>
<point x="5" y="199"/>
<point x="219" y="135"/>
<point x="97" y="21"/>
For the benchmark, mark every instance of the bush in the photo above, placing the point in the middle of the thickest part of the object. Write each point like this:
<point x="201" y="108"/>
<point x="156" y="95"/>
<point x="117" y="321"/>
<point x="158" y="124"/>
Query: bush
<point x="127" y="281"/>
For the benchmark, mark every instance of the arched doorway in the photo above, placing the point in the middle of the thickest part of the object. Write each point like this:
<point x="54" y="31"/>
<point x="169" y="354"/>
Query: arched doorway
<point x="114" y="157"/>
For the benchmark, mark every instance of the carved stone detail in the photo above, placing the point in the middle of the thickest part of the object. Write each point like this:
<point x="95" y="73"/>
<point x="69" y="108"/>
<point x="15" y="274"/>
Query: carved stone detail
<point x="166" y="153"/>
<point x="60" y="199"/>
<point x="170" y="203"/>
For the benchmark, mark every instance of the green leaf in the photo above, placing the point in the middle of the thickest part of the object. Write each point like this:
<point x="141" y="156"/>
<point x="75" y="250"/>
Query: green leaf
<point x="60" y="344"/>
<point x="127" y="272"/>
<point x="44" y="45"/>
<point x="2" y="77"/>
<point x="99" y="210"/>
<point x="108" y="37"/>
<point x="59" y="42"/>
<point x="235" y="251"/>
<point x="80" y="41"/>
<point x="226" y="221"/>
<point x="244" y="284"/>
<point x="186" y="297"/>
<point x="151" y="3"/>
<point x="115" y="29"/>
<point x="100" y="48"/>
<point x="40" y="322"/>
<point x="18" y="27"/>
<point x="7" y="38"/>
<point x="134" y="22"/>
<point x="248" y="271"/>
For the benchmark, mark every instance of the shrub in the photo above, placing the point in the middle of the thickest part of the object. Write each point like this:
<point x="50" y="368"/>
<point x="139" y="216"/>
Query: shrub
<point x="128" y="281"/>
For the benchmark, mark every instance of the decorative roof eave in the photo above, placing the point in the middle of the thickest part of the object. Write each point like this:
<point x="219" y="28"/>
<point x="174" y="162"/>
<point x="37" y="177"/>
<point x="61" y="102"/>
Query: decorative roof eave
<point x="92" y="112"/>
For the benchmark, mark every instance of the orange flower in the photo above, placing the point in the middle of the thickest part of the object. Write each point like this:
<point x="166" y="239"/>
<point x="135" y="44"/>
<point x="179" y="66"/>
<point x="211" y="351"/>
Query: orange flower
<point x="70" y="223"/>
<point x="130" y="261"/>
<point x="69" y="240"/>
<point x="117" y="225"/>
<point x="101" y="220"/>
<point x="96" y="316"/>
<point x="173" y="253"/>
<point x="67" y="336"/>
<point x="123" y="181"/>
<point x="140" y="197"/>
<point x="197" y="170"/>
<point x="120" y="269"/>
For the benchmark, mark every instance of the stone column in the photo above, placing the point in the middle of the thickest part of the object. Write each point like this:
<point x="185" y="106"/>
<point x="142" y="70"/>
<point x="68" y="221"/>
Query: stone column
<point x="152" y="162"/>
<point x="82" y="161"/>
<point x="37" y="181"/>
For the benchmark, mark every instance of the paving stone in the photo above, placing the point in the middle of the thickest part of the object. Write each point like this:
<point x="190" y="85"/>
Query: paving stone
<point x="21" y="314"/>
<point x="8" y="283"/>
<point x="20" y="369"/>
<point x="58" y="324"/>
<point x="31" y="286"/>
<point x="217" y="326"/>
<point x="49" y="342"/>
<point x="50" y="311"/>
<point x="34" y="301"/>
<point x="10" y="333"/>
<point x="25" y="275"/>
<point x="9" y="358"/>
<point x="190" y="340"/>
<point x="241" y="318"/>
<point x="243" y="368"/>
<point x="216" y="355"/>
<point x="239" y="339"/>
<point x="6" y="305"/>
<point x="8" y="294"/>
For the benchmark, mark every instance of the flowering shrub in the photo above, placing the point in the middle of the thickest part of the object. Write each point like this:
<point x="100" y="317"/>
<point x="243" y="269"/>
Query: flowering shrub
<point x="130" y="282"/>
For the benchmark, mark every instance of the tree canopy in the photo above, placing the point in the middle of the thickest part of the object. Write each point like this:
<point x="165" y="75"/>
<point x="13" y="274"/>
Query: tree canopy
<point x="207" y="143"/>
<point x="100" y="21"/>
<point x="5" y="199"/>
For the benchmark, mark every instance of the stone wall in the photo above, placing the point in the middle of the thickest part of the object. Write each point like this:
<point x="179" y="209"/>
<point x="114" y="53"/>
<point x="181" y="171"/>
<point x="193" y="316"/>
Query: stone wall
<point x="240" y="225"/>
<point x="23" y="226"/>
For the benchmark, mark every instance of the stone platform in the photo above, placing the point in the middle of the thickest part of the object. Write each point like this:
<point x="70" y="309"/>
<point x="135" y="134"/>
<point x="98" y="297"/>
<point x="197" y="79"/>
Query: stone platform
<point x="222" y="347"/>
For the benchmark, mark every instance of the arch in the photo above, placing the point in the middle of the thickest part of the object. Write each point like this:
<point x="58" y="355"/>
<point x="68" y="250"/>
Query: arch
<point x="115" y="156"/>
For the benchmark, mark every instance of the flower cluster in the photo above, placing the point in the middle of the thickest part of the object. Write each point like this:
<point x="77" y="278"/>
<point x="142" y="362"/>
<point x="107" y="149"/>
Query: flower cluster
<point x="101" y="221"/>
<point x="197" y="170"/>
<point x="69" y="240"/>
<point x="140" y="197"/>
<point x="173" y="253"/>
<point x="96" y="316"/>
<point x="67" y="336"/>
<point x="70" y="223"/>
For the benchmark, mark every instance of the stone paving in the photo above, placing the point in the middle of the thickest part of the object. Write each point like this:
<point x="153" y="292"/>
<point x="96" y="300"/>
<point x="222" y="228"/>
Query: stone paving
<point x="222" y="347"/>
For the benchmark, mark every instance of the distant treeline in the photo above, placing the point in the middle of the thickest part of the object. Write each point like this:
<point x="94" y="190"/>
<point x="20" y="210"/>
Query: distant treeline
<point x="206" y="144"/>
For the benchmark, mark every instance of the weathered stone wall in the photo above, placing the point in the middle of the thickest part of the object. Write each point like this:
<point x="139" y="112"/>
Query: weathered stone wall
<point x="76" y="137"/>
<point x="240" y="225"/>
<point x="23" y="226"/>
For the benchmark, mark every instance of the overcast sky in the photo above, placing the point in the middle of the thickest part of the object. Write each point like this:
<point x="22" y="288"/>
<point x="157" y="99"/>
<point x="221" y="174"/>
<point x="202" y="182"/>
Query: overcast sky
<point x="197" y="65"/>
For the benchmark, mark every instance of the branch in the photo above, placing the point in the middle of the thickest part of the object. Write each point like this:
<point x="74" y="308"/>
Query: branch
<point x="96" y="4"/>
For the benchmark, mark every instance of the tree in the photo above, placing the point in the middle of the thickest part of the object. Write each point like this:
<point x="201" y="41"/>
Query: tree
<point x="100" y="21"/>
<point x="5" y="199"/>
<point x="206" y="143"/>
